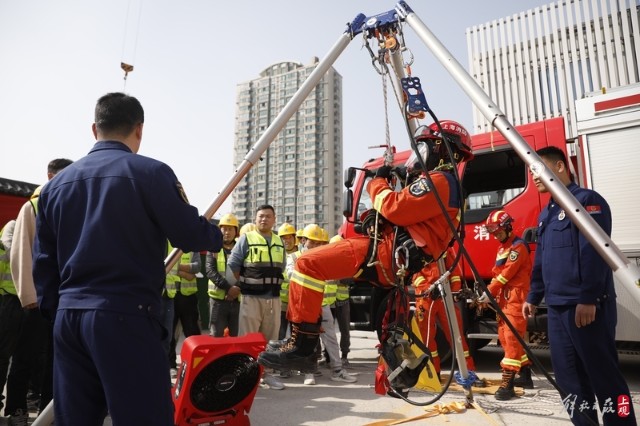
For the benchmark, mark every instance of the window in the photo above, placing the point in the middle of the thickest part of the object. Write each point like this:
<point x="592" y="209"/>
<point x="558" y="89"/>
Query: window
<point x="491" y="180"/>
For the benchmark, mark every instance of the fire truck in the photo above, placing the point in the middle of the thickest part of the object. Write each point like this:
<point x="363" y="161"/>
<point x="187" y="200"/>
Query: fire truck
<point x="13" y="194"/>
<point x="604" y="158"/>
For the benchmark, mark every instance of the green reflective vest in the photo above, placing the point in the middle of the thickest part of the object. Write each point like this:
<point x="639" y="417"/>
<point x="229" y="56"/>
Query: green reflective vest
<point x="262" y="271"/>
<point x="6" y="282"/>
<point x="329" y="296"/>
<point x="343" y="292"/>
<point x="284" y="288"/>
<point x="214" y="291"/>
<point x="173" y="281"/>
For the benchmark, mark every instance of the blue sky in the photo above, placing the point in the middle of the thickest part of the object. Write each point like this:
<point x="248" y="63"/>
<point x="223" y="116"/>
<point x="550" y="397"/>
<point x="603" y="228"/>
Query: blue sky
<point x="189" y="55"/>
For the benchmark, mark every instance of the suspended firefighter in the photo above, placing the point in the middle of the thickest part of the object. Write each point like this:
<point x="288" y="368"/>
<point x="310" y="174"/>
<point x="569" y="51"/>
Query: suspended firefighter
<point x="410" y="217"/>
<point x="510" y="286"/>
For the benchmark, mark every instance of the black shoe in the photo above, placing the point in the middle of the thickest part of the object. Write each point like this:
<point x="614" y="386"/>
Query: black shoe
<point x="523" y="379"/>
<point x="274" y="345"/>
<point x="505" y="392"/>
<point x="298" y="353"/>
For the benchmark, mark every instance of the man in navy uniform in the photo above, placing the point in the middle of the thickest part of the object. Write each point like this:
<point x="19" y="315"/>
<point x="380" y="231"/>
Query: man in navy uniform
<point x="102" y="229"/>
<point x="578" y="289"/>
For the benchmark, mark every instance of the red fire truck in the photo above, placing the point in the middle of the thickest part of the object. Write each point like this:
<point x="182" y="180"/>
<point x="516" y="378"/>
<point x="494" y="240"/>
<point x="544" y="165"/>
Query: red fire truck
<point x="13" y="195"/>
<point x="603" y="157"/>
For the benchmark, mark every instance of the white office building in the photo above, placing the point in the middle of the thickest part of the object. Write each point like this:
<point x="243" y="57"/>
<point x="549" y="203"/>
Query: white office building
<point x="536" y="64"/>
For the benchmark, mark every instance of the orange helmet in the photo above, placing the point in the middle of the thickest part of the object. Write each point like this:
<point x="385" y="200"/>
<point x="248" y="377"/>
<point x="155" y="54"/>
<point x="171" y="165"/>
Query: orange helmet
<point x="498" y="219"/>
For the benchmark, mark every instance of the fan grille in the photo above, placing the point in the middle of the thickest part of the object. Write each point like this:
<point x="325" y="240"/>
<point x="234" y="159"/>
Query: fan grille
<point x="225" y="382"/>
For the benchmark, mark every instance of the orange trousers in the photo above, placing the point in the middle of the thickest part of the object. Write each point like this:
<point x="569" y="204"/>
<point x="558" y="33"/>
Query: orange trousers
<point x="430" y="312"/>
<point x="514" y="355"/>
<point x="342" y="259"/>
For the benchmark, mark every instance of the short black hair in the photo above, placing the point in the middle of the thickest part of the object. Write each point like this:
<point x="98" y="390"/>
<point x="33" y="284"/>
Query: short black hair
<point x="118" y="113"/>
<point x="552" y="153"/>
<point x="58" y="164"/>
<point x="266" y="207"/>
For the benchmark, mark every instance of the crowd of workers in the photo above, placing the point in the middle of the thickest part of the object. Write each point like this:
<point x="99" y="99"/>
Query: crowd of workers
<point x="90" y="251"/>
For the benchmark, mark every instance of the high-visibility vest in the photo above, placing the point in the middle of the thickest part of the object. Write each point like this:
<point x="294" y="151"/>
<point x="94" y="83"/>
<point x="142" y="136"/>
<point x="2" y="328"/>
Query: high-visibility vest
<point x="342" y="292"/>
<point x="187" y="287"/>
<point x="173" y="280"/>
<point x="214" y="291"/>
<point x="6" y="282"/>
<point x="262" y="268"/>
<point x="284" y="287"/>
<point x="329" y="296"/>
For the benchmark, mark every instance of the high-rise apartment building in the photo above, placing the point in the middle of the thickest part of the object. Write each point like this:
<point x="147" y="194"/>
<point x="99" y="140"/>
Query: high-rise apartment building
<point x="300" y="174"/>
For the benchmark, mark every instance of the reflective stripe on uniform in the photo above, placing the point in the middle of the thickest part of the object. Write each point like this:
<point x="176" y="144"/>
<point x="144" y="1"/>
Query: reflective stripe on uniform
<point x="379" y="200"/>
<point x="307" y="282"/>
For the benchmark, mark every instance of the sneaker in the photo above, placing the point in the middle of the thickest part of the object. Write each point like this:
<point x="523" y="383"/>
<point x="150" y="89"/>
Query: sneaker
<point x="309" y="379"/>
<point x="342" y="376"/>
<point x="19" y="418"/>
<point x="285" y="374"/>
<point x="272" y="382"/>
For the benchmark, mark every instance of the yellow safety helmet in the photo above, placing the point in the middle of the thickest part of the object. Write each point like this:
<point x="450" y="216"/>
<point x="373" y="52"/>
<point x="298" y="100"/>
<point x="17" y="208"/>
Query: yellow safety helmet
<point x="325" y="235"/>
<point x="229" y="219"/>
<point x="335" y="238"/>
<point x="247" y="227"/>
<point x="313" y="232"/>
<point x="286" y="229"/>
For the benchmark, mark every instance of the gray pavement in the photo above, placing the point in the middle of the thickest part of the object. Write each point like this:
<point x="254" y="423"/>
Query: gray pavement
<point x="331" y="403"/>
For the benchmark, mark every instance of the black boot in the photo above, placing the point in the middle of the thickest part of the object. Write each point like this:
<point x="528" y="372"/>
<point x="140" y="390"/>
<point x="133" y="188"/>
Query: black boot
<point x="275" y="345"/>
<point x="299" y="353"/>
<point x="505" y="392"/>
<point x="523" y="379"/>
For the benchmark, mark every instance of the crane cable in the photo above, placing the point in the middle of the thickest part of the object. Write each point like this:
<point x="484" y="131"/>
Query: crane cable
<point x="125" y="66"/>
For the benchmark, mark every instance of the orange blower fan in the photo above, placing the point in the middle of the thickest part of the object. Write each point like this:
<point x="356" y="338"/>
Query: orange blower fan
<point x="217" y="380"/>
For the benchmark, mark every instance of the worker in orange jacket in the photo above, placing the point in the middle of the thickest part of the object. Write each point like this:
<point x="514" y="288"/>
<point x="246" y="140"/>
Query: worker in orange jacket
<point x="430" y="308"/>
<point x="510" y="286"/>
<point x="424" y="231"/>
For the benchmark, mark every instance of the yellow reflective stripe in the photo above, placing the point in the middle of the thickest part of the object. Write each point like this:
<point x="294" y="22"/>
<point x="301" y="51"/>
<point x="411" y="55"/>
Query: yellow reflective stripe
<point x="418" y="281"/>
<point x="503" y="255"/>
<point x="434" y="354"/>
<point x="502" y="280"/>
<point x="307" y="282"/>
<point x="377" y="202"/>
<point x="511" y="362"/>
<point x="524" y="359"/>
<point x="455" y="279"/>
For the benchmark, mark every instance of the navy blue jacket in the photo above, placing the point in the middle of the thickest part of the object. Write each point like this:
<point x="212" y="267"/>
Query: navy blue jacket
<point x="102" y="230"/>
<point x="567" y="269"/>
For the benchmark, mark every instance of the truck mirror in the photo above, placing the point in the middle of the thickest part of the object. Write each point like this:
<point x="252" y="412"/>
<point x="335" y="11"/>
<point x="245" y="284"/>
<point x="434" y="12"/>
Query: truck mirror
<point x="347" y="204"/>
<point x="349" y="177"/>
<point x="530" y="235"/>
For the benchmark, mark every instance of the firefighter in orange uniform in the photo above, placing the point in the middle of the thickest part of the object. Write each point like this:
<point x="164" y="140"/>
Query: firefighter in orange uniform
<point x="430" y="308"/>
<point x="423" y="227"/>
<point x="510" y="286"/>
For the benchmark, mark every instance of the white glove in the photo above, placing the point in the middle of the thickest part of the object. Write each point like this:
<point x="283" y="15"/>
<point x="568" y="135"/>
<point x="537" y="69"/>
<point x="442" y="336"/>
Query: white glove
<point x="484" y="298"/>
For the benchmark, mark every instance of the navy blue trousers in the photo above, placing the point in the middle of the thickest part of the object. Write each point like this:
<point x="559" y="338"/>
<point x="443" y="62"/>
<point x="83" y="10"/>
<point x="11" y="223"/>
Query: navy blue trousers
<point x="110" y="362"/>
<point x="585" y="364"/>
